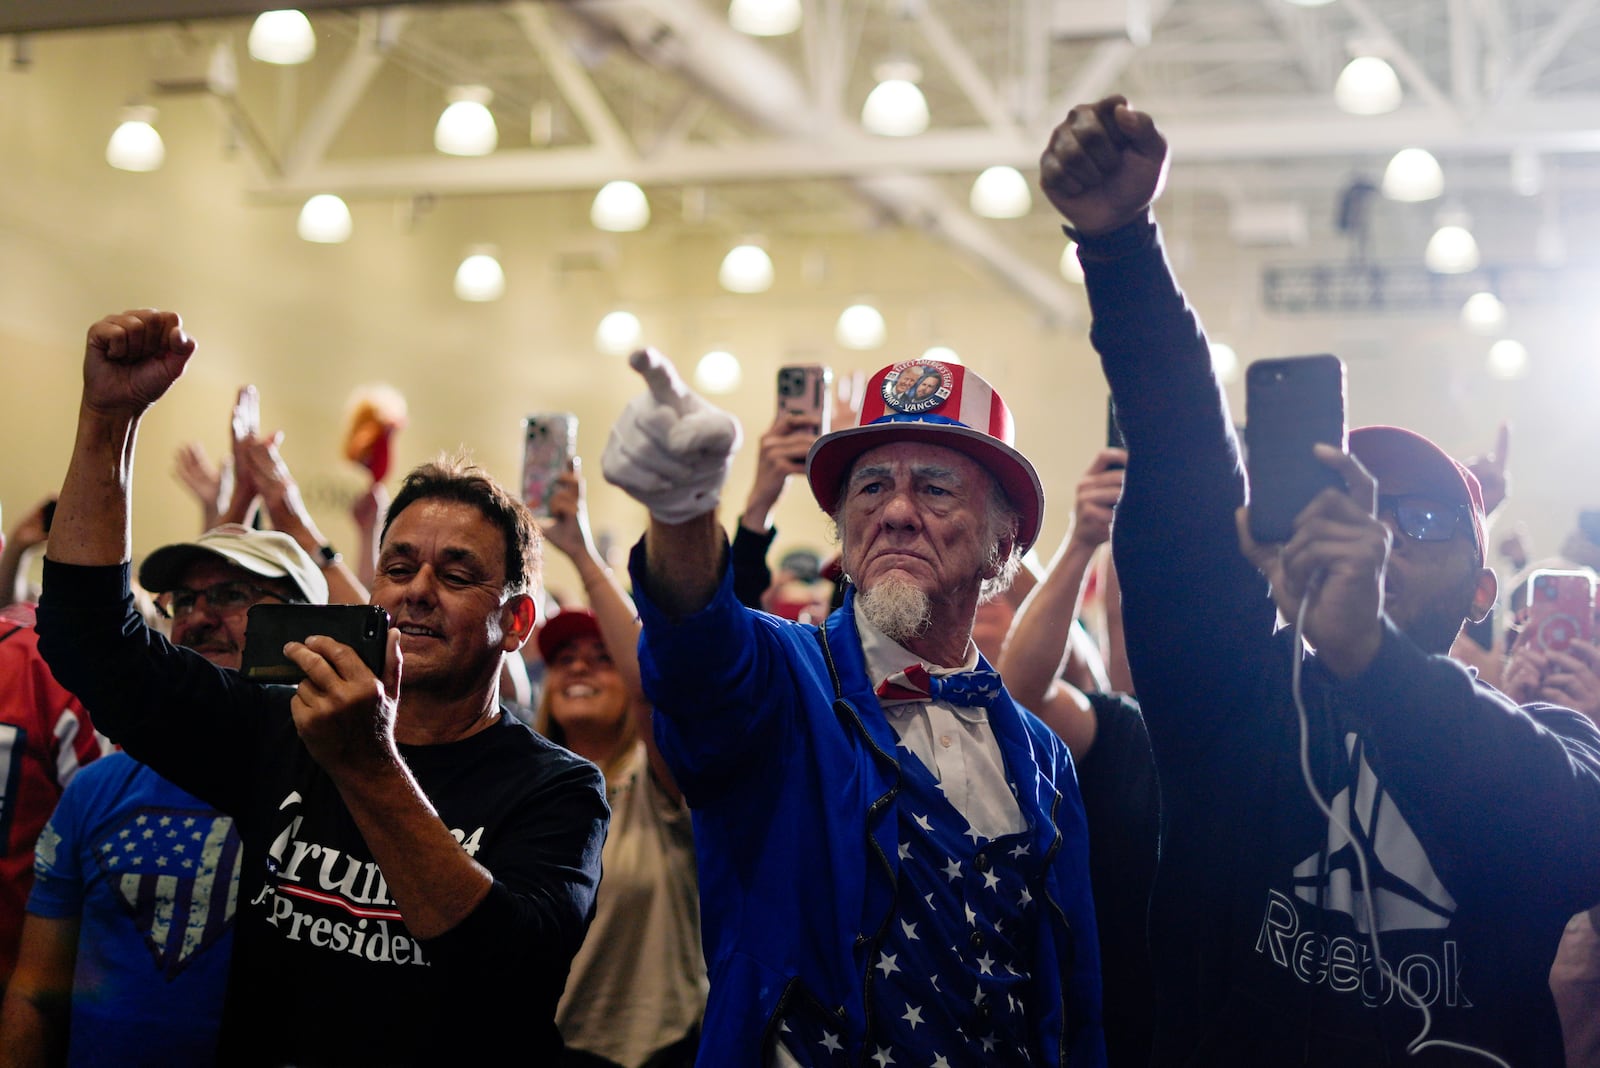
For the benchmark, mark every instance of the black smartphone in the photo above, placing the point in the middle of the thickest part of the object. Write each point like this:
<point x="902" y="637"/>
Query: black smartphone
<point x="1114" y="438"/>
<point x="365" y="628"/>
<point x="47" y="515"/>
<point x="1291" y="404"/>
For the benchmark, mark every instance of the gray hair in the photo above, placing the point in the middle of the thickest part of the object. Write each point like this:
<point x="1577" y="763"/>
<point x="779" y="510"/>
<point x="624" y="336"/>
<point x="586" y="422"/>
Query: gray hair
<point x="1003" y="521"/>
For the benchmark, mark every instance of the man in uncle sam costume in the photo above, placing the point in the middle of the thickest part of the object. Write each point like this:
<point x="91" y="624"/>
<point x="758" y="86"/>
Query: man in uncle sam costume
<point x="893" y="859"/>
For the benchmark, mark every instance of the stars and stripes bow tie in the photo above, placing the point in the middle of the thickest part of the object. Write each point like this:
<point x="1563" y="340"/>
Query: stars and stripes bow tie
<point x="971" y="689"/>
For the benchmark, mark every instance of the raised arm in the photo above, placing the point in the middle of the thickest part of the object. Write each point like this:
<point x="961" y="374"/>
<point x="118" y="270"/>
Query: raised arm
<point x="568" y="530"/>
<point x="1177" y="554"/>
<point x="1037" y="648"/>
<point x="129" y="363"/>
<point x="18" y="547"/>
<point x="286" y="509"/>
<point x="238" y="499"/>
<point x="204" y="479"/>
<point x="367" y="511"/>
<point x="1116" y="640"/>
<point x="782" y="454"/>
<point x="670" y="451"/>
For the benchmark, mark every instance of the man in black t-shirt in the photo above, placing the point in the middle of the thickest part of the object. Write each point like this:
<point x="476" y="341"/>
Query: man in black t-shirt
<point x="419" y="869"/>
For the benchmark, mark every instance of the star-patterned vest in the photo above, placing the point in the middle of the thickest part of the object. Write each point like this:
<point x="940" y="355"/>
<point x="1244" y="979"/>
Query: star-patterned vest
<point x="949" y="982"/>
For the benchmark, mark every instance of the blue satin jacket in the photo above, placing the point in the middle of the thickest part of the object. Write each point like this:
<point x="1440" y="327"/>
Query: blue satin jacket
<point x="789" y="765"/>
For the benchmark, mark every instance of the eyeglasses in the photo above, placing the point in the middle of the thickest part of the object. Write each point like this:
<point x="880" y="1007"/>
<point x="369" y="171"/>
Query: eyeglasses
<point x="224" y="597"/>
<point x="1422" y="518"/>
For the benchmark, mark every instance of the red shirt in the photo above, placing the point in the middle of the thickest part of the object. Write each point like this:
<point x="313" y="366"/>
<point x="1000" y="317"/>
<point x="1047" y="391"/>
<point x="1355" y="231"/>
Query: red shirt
<point x="45" y="736"/>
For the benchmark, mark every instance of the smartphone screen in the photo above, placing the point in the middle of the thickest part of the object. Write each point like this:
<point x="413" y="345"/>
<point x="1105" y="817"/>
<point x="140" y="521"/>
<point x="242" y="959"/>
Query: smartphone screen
<point x="549" y="442"/>
<point x="365" y="628"/>
<point x="1291" y="404"/>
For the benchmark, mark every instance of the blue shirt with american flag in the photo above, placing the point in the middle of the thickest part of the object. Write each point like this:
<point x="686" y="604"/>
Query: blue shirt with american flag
<point x="152" y="874"/>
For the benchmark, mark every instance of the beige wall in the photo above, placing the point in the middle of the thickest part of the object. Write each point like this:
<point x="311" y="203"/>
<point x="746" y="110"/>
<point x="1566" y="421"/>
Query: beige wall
<point x="306" y="323"/>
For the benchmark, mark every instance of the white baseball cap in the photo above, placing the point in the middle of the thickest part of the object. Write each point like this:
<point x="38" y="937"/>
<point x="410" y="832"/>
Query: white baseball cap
<point x="268" y="553"/>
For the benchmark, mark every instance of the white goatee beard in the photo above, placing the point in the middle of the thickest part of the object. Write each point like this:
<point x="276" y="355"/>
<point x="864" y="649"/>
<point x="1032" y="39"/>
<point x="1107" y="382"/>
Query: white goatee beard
<point x="898" y="608"/>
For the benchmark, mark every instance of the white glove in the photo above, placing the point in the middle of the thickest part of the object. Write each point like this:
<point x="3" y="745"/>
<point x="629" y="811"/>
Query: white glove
<point x="669" y="449"/>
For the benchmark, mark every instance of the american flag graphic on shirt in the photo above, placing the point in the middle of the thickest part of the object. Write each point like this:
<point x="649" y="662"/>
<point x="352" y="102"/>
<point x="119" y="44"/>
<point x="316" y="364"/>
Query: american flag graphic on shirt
<point x="176" y="871"/>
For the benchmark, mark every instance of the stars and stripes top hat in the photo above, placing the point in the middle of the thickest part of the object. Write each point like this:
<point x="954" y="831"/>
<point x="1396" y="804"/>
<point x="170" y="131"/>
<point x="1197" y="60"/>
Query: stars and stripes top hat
<point x="938" y="404"/>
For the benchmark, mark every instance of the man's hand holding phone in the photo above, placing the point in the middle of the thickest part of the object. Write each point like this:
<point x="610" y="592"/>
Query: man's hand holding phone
<point x="1335" y="558"/>
<point x="1569" y="678"/>
<point x="783" y="453"/>
<point x="343" y="713"/>
<point x="1097" y="495"/>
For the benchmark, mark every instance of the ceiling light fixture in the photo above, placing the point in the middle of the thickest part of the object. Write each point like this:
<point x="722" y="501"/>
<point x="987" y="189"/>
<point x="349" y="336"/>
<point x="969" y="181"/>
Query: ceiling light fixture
<point x="325" y="220"/>
<point x="618" y="333"/>
<point x="896" y="107"/>
<point x="1483" y="313"/>
<point x="620" y="207"/>
<point x="1412" y="176"/>
<point x="1508" y="359"/>
<point x="765" y="18"/>
<point x="717" y="372"/>
<point x="860" y="326"/>
<point x="480" y="277"/>
<point x="466" y="127"/>
<point x="1001" y="192"/>
<point x="941" y="354"/>
<point x="1452" y="249"/>
<point x="746" y="269"/>
<point x="1367" y="86"/>
<point x="135" y="145"/>
<point x="282" y="37"/>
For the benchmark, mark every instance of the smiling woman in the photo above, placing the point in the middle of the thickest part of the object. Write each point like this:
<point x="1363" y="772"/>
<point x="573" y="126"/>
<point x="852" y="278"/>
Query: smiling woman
<point x="585" y="705"/>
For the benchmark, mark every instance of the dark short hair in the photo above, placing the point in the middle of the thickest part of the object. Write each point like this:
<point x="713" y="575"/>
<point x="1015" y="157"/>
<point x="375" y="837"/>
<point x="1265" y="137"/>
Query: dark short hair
<point x="457" y="478"/>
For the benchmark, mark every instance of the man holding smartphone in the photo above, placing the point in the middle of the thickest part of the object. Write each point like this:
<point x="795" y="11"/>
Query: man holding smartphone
<point x="1349" y="836"/>
<point x="418" y="869"/>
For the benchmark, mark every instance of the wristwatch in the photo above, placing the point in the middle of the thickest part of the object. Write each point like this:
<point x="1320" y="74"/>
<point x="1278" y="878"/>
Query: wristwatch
<point x="329" y="556"/>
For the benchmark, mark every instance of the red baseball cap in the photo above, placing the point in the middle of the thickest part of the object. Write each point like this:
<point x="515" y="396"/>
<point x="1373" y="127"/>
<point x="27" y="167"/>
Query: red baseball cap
<point x="1392" y="449"/>
<point x="565" y="627"/>
<point x="935" y="403"/>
